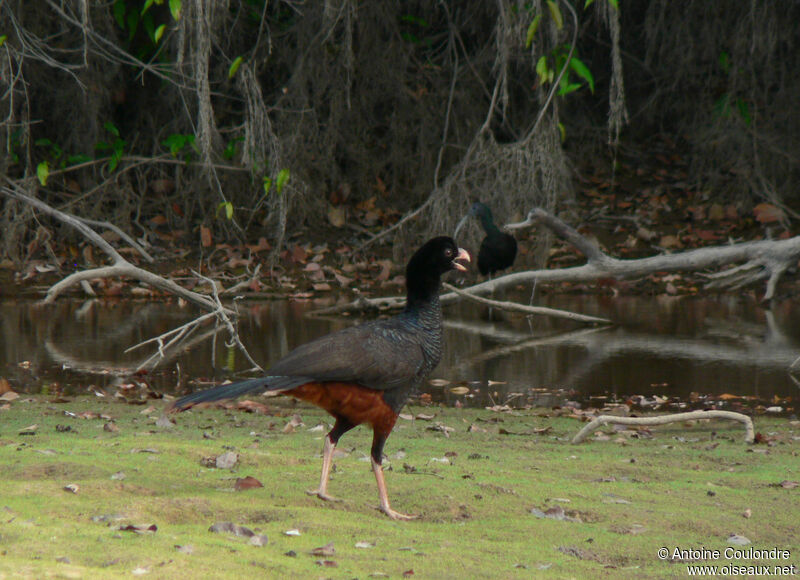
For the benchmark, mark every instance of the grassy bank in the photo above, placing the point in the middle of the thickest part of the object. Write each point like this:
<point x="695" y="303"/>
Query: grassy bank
<point x="474" y="487"/>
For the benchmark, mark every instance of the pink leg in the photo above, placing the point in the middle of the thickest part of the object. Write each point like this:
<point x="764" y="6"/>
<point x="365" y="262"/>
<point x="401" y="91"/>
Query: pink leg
<point x="384" y="496"/>
<point x="327" y="457"/>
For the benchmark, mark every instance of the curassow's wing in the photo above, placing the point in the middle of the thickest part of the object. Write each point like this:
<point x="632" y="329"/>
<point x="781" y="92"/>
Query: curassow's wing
<point x="382" y="354"/>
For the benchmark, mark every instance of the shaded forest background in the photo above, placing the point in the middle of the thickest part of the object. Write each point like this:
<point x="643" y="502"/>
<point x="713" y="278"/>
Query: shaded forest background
<point x="251" y="118"/>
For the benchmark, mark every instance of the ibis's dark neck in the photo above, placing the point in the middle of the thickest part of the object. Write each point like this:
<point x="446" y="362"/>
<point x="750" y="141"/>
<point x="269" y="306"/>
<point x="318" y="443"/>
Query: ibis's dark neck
<point x="487" y="222"/>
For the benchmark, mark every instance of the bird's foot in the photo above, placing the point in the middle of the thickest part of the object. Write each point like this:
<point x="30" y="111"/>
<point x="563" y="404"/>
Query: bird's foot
<point x="397" y="515"/>
<point x="323" y="495"/>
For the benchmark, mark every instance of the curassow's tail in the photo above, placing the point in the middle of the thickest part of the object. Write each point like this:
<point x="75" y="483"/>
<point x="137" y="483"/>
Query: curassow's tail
<point x="233" y="390"/>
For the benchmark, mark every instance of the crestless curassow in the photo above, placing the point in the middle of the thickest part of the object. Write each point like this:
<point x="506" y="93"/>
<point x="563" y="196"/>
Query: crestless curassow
<point x="365" y="373"/>
<point x="498" y="249"/>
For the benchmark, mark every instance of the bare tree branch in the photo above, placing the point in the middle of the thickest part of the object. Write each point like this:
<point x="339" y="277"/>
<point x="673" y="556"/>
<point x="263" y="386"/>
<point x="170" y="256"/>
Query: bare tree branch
<point x="602" y="420"/>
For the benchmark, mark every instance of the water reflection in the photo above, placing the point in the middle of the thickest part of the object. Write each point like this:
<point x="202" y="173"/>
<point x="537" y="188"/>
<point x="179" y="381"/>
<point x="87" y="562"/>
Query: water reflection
<point x="659" y="345"/>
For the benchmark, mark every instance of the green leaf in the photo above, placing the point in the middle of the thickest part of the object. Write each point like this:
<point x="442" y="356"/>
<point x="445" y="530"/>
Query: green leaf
<point x="111" y="128"/>
<point x="3" y="39"/>
<point x="43" y="172"/>
<point x="43" y="143"/>
<point x="414" y="20"/>
<point x="582" y="71"/>
<point x="147" y="6"/>
<point x="175" y="9"/>
<point x="555" y="12"/>
<point x="234" y="66"/>
<point x="119" y="13"/>
<point x="78" y="159"/>
<point x="230" y="148"/>
<point x="725" y="62"/>
<point x="283" y="177"/>
<point x="614" y="3"/>
<point x="113" y="162"/>
<point x="542" y="69"/>
<point x="534" y="26"/>
<point x="588" y="3"/>
<point x="722" y="106"/>
<point x="228" y="207"/>
<point x="159" y="33"/>
<point x="744" y="110"/>
<point x="267" y="185"/>
<point x="133" y="23"/>
<point x="566" y="87"/>
<point x="563" y="132"/>
<point x="149" y="27"/>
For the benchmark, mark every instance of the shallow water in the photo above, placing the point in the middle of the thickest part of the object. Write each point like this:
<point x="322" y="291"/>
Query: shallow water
<point x="662" y="346"/>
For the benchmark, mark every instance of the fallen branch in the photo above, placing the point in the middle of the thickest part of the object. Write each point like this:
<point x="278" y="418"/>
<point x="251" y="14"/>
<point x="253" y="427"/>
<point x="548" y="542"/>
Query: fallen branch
<point x="540" y="310"/>
<point x="120" y="267"/>
<point x="765" y="259"/>
<point x="602" y="420"/>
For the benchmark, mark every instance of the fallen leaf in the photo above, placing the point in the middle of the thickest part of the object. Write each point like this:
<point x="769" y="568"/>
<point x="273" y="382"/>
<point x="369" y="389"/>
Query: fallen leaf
<point x="670" y="242"/>
<point x="72" y="488"/>
<point x="29" y="430"/>
<point x="336" y="216"/>
<point x="295" y="422"/>
<point x="299" y="254"/>
<point x="326" y="550"/>
<point x="139" y="529"/>
<point x="766" y="213"/>
<point x="292" y="532"/>
<point x="245" y="483"/>
<point x="205" y="237"/>
<point x="365" y="545"/>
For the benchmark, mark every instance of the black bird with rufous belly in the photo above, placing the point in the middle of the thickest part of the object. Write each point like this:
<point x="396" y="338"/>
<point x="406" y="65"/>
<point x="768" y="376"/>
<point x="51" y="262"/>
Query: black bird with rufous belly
<point x="365" y="373"/>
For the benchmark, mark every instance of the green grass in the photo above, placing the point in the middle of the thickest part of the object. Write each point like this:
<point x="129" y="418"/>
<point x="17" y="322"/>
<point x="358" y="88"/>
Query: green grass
<point x="687" y="487"/>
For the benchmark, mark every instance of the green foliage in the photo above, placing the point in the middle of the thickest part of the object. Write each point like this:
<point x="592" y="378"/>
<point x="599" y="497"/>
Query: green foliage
<point x="234" y="67"/>
<point x="227" y="207"/>
<point x="230" y="149"/>
<point x="280" y="182"/>
<point x="412" y="27"/>
<point x="568" y="83"/>
<point x="42" y="172"/>
<point x="54" y="155"/>
<point x="532" y="28"/>
<point x="283" y="177"/>
<point x="175" y="9"/>
<point x="13" y="145"/>
<point x="133" y="15"/>
<point x="3" y="39"/>
<point x="114" y="148"/>
<point x="613" y="3"/>
<point x="555" y="14"/>
<point x="177" y="143"/>
<point x="728" y="105"/>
